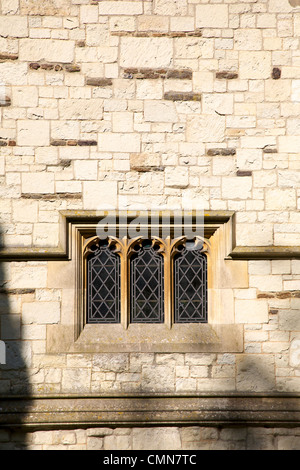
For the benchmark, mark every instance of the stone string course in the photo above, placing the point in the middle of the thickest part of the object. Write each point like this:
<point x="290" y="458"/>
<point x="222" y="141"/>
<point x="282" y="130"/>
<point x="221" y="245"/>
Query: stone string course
<point x="151" y="104"/>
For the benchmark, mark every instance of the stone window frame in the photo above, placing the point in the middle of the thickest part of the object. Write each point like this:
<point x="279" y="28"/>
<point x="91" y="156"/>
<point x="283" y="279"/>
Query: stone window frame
<point x="125" y="248"/>
<point x="219" y="334"/>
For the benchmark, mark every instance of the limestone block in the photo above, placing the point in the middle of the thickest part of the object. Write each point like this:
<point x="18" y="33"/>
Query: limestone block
<point x="49" y="50"/>
<point x="206" y="128"/>
<point x="40" y="313"/>
<point x="251" y="311"/>
<point x="255" y="64"/>
<point x="65" y="130"/>
<point x="122" y="122"/>
<point x="277" y="90"/>
<point x="254" y="234"/>
<point x="110" y="362"/>
<point x="280" y="199"/>
<point x="289" y="179"/>
<point x="25" y="97"/>
<point x="46" y="7"/>
<point x="76" y="380"/>
<point x="33" y="133"/>
<point x="236" y="188"/>
<point x="177" y="177"/>
<point x="83" y="109"/>
<point x="26" y="276"/>
<point x="289" y="144"/>
<point x="156" y="438"/>
<point x="100" y="195"/>
<point x="89" y="14"/>
<point x="9" y="7"/>
<point x="212" y="16"/>
<point x="170" y="7"/>
<point x="127" y="8"/>
<point x="289" y="321"/>
<point x="248" y="39"/>
<point x="13" y="26"/>
<point x="25" y="211"/>
<point x="45" y="234"/>
<point x="149" y="89"/>
<point x="158" y="378"/>
<point x="281" y="6"/>
<point x="295" y="353"/>
<point x="249" y="159"/>
<point x="116" y="142"/>
<point x="2" y="165"/>
<point x="38" y="183"/>
<point x="13" y="73"/>
<point x="160" y="111"/>
<point x="221" y="103"/>
<point x="146" y="52"/>
<point x="86" y="170"/>
<point x="46" y="155"/>
<point x="183" y="23"/>
<point x="255" y="373"/>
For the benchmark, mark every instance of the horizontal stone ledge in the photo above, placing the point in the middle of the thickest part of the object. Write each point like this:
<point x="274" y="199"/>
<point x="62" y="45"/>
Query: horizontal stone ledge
<point x="33" y="254"/>
<point x="54" y="67"/>
<point x="182" y="96"/>
<point x="4" y="57"/>
<point x="158" y="34"/>
<point x="226" y="75"/>
<point x="73" y="143"/>
<point x="154" y="73"/>
<point x="7" y="143"/>
<point x="221" y="151"/>
<point x="149" y="409"/>
<point x="264" y="252"/>
<point x="99" y="82"/>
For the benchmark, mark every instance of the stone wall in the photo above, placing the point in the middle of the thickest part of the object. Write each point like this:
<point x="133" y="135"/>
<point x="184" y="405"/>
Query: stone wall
<point x="166" y="438"/>
<point x="150" y="104"/>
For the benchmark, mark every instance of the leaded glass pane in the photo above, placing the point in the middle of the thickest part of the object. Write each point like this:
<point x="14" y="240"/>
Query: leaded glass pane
<point x="103" y="290"/>
<point x="190" y="287"/>
<point x="147" y="285"/>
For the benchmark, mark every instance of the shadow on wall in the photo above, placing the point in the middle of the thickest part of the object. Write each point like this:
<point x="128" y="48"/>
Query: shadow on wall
<point x="14" y="379"/>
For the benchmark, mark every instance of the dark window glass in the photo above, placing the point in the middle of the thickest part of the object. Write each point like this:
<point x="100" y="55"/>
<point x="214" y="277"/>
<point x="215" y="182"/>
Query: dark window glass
<point x="147" y="285"/>
<point x="190" y="286"/>
<point x="103" y="296"/>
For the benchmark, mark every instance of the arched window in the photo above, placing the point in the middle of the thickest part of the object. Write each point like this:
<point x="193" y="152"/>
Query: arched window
<point x="103" y="284"/>
<point x="145" y="280"/>
<point x="190" y="285"/>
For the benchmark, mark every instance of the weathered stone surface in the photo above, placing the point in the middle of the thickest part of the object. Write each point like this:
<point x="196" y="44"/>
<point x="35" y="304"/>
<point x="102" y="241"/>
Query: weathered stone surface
<point x="100" y="195"/>
<point x="83" y="109"/>
<point x="51" y="50"/>
<point x="31" y="133"/>
<point x="47" y="7"/>
<point x="159" y="111"/>
<point x="146" y="52"/>
<point x="209" y="128"/>
<point x="156" y="439"/>
<point x="255" y="65"/>
<point x="255" y="373"/>
<point x="13" y="26"/>
<point x="212" y="16"/>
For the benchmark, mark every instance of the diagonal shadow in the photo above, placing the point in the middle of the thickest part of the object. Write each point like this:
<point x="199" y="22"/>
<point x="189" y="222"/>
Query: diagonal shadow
<point x="13" y="363"/>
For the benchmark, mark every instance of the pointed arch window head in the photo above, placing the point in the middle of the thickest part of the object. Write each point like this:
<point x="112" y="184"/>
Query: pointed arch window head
<point x="144" y="280"/>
